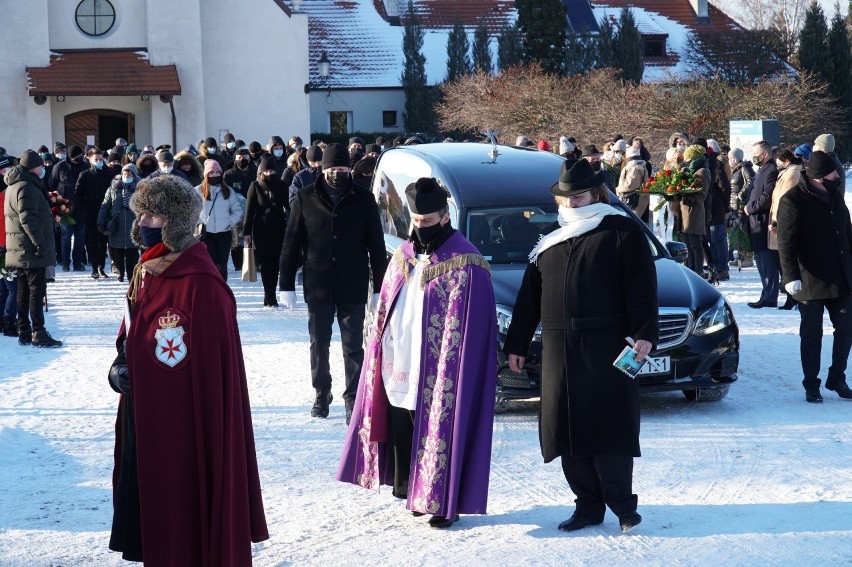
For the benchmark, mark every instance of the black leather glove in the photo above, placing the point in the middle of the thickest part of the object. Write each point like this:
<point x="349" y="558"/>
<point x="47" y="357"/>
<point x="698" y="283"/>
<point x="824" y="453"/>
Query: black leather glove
<point x="119" y="379"/>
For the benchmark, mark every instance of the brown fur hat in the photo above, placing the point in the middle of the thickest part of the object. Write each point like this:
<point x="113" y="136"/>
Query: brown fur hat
<point x="175" y="201"/>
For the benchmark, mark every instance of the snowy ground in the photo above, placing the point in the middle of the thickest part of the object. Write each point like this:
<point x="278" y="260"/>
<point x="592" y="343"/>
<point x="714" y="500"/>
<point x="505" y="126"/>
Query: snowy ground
<point x="760" y="478"/>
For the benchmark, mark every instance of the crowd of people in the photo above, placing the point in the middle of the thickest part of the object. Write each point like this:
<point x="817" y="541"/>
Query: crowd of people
<point x="419" y="401"/>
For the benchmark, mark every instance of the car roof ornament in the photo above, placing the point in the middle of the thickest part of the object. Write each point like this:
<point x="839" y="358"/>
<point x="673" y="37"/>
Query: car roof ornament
<point x="492" y="137"/>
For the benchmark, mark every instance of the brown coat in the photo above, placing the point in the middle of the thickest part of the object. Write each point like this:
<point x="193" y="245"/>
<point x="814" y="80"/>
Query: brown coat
<point x="631" y="179"/>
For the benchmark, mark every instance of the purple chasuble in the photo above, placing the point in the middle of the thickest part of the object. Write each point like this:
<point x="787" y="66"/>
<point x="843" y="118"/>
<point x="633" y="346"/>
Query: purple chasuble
<point x="454" y="417"/>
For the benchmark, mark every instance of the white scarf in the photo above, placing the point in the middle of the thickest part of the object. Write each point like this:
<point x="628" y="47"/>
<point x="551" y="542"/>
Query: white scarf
<point x="574" y="222"/>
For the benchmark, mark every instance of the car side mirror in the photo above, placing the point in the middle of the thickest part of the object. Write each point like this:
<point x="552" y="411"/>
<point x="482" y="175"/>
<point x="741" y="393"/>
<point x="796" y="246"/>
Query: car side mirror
<point x="677" y="250"/>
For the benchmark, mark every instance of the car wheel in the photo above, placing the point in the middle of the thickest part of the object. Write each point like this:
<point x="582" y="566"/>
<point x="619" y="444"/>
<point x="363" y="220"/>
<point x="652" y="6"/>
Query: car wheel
<point x="707" y="394"/>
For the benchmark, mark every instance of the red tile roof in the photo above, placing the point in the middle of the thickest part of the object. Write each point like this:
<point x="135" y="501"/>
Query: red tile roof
<point x="102" y="72"/>
<point x="443" y="14"/>
<point x="679" y="11"/>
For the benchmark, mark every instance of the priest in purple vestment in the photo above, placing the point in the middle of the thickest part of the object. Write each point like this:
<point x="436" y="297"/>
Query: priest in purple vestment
<point x="424" y="412"/>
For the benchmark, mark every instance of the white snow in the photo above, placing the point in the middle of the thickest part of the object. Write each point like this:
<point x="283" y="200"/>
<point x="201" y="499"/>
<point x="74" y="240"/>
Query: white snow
<point x="760" y="478"/>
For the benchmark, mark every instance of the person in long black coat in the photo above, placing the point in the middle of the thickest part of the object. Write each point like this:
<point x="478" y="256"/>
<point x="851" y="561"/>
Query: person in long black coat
<point x="265" y="221"/>
<point x="815" y="245"/>
<point x="591" y="283"/>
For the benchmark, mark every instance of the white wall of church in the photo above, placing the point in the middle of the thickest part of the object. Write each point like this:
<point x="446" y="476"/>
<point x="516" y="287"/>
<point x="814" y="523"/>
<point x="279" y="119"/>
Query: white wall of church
<point x="23" y="43"/>
<point x="129" y="30"/>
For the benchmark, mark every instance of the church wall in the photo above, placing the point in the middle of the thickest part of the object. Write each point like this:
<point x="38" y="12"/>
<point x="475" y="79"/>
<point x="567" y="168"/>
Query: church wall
<point x="129" y="30"/>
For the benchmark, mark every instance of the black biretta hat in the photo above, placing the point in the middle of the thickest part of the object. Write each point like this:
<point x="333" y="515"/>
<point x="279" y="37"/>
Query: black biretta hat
<point x="426" y="196"/>
<point x="578" y="179"/>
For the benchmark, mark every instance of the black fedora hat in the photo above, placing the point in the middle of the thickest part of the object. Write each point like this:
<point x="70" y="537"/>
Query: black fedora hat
<point x="578" y="179"/>
<point x="590" y="150"/>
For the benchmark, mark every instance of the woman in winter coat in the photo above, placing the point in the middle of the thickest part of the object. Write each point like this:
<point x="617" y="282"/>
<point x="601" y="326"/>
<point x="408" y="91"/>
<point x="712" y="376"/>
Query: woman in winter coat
<point x="295" y="163"/>
<point x="222" y="209"/>
<point x="690" y="208"/>
<point x="190" y="167"/>
<point x="115" y="220"/>
<point x="789" y="175"/>
<point x="632" y="178"/>
<point x="265" y="222"/>
<point x="146" y="165"/>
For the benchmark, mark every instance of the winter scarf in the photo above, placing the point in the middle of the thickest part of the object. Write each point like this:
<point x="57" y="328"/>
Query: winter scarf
<point x="574" y="222"/>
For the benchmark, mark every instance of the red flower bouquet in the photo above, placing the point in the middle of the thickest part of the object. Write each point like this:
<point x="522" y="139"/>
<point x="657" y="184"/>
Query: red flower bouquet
<point x="60" y="208"/>
<point x="673" y="182"/>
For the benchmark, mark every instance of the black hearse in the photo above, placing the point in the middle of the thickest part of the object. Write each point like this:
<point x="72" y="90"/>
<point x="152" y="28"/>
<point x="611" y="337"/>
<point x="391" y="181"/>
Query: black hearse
<point x="500" y="199"/>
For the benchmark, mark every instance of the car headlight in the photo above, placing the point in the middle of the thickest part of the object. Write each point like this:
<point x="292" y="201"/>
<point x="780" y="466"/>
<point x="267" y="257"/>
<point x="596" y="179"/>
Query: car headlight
<point x="504" y="318"/>
<point x="714" y="319"/>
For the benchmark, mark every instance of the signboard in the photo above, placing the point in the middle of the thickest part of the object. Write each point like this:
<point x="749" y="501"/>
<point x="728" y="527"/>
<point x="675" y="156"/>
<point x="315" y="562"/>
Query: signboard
<point x="745" y="133"/>
<point x="90" y="140"/>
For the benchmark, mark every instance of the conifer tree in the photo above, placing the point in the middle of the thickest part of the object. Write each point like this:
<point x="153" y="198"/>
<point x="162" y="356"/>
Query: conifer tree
<point x="628" y="48"/>
<point x="813" y="44"/>
<point x="840" y="50"/>
<point x="509" y="48"/>
<point x="418" y="115"/>
<point x="481" y="49"/>
<point x="604" y="45"/>
<point x="542" y="25"/>
<point x="458" y="58"/>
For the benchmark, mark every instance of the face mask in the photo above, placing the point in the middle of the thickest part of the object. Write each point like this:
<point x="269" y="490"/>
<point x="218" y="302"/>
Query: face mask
<point x="126" y="180"/>
<point x="232" y="145"/>
<point x="167" y="168"/>
<point x="61" y="157"/>
<point x="215" y="181"/>
<point x="295" y="146"/>
<point x="681" y="147"/>
<point x="241" y="163"/>
<point x="211" y="151"/>
<point x="151" y="236"/>
<point x="337" y="179"/>
<point x="278" y="153"/>
<point x="98" y="164"/>
<point x="427" y="233"/>
<point x="41" y="175"/>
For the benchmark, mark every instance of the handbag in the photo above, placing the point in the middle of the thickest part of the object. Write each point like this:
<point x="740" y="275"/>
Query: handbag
<point x="201" y="228"/>
<point x="249" y="266"/>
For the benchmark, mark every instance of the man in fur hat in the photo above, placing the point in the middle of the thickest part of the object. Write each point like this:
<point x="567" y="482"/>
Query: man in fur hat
<point x="425" y="404"/>
<point x="589" y="409"/>
<point x="185" y="482"/>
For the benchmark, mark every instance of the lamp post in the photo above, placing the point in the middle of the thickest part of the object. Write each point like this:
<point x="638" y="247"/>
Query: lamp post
<point x="323" y="67"/>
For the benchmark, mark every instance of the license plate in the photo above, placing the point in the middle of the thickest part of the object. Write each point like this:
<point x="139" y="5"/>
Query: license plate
<point x="657" y="365"/>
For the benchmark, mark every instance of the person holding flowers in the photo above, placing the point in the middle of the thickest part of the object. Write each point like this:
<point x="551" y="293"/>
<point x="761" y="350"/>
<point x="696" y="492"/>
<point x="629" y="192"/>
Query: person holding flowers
<point x="689" y="191"/>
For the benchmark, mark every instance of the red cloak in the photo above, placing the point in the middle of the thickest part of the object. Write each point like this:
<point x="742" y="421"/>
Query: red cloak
<point x="199" y="491"/>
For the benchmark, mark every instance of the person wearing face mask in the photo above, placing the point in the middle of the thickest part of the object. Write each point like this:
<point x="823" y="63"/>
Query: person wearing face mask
<point x="334" y="226"/>
<point x="592" y="155"/>
<point x="742" y="176"/>
<point x="229" y="148"/>
<point x="815" y="246"/>
<point x="210" y="150"/>
<point x="616" y="158"/>
<point x="183" y="399"/>
<point x="276" y="147"/>
<point x="166" y="166"/>
<point x="30" y="247"/>
<point x="437" y="284"/>
<point x="679" y="140"/>
<point x="242" y="174"/>
<point x="115" y="220"/>
<point x="294" y="144"/>
<point x="222" y="210"/>
<point x="89" y="194"/>
<point x="589" y="410"/>
<point x="308" y="175"/>
<point x="757" y="209"/>
<point x="256" y="151"/>
<point x="789" y="174"/>
<point x="63" y="179"/>
<point x="187" y="164"/>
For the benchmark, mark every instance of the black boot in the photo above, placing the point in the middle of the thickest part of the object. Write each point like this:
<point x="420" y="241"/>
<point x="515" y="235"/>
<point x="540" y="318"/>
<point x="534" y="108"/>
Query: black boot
<point x="10" y="327"/>
<point x="321" y="404"/>
<point x="102" y="273"/>
<point x="25" y="334"/>
<point x="842" y="390"/>
<point x="789" y="304"/>
<point x="42" y="339"/>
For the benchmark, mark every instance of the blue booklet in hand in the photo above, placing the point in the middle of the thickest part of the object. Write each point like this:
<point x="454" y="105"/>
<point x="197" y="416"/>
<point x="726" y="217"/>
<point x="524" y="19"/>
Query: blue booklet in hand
<point x="626" y="360"/>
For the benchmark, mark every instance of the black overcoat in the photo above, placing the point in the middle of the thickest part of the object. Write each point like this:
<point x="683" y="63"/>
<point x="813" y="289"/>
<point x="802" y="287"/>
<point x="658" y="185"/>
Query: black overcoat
<point x="342" y="245"/>
<point x="606" y="282"/>
<point x="266" y="216"/>
<point x="815" y="242"/>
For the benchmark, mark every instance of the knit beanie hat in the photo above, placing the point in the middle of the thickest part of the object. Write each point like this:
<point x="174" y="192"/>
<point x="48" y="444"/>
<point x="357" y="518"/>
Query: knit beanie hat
<point x="254" y="147"/>
<point x="820" y="164"/>
<point x="543" y="145"/>
<point x="267" y="163"/>
<point x="210" y="142"/>
<point x="694" y="151"/>
<point x="803" y="151"/>
<point x="565" y="147"/>
<point x="633" y="151"/>
<point x="619" y="145"/>
<point x="826" y="142"/>
<point x="671" y="153"/>
<point x="521" y="141"/>
<point x="132" y="169"/>
<point x="714" y="145"/>
<point x="30" y="160"/>
<point x="736" y="153"/>
<point x="172" y="199"/>
<point x="314" y="153"/>
<point x="229" y="137"/>
<point x="335" y="155"/>
<point x="212" y="166"/>
<point x="74" y="151"/>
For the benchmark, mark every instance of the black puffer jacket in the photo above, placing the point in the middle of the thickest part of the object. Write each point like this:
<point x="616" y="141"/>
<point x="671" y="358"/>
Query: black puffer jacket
<point x="742" y="177"/>
<point x="29" y="224"/>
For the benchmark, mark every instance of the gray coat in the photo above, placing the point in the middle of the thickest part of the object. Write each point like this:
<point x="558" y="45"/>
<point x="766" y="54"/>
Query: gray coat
<point x="115" y="216"/>
<point x="29" y="224"/>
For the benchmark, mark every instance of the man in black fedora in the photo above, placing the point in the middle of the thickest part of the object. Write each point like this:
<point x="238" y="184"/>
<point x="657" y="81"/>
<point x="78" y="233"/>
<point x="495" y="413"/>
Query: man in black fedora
<point x="592" y="154"/>
<point x="589" y="409"/>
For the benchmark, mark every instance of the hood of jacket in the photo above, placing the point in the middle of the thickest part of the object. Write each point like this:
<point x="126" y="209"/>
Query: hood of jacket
<point x="195" y="168"/>
<point x="18" y="173"/>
